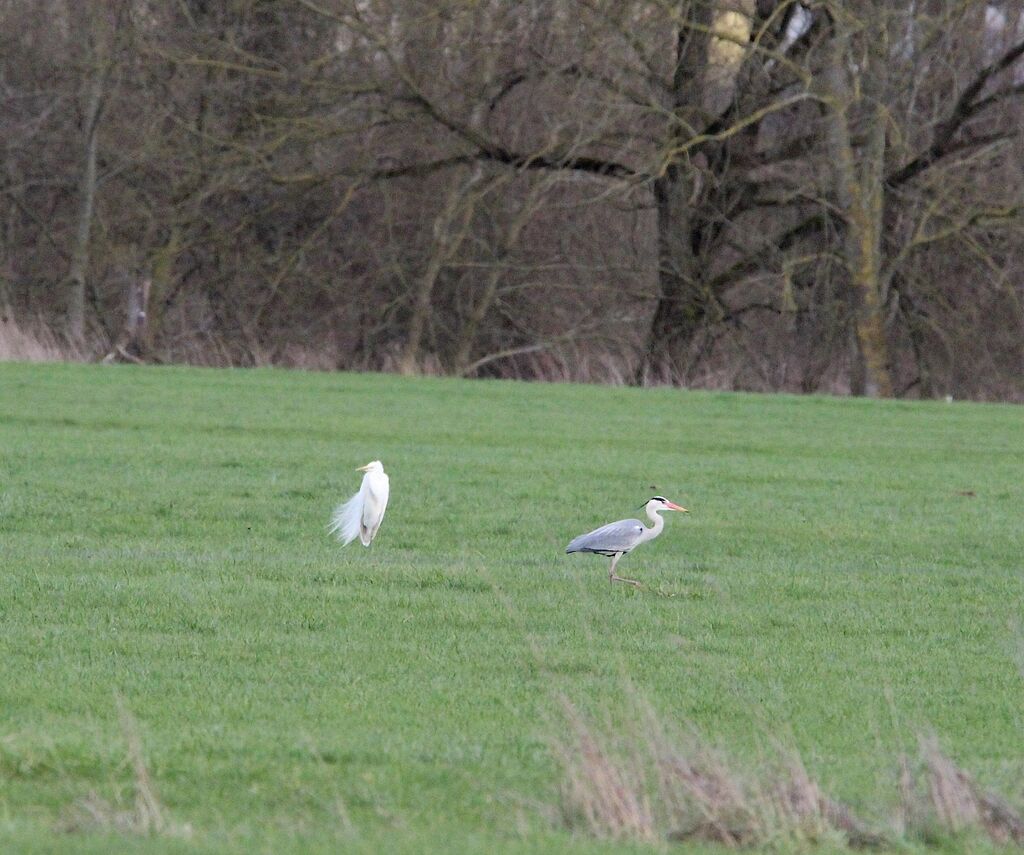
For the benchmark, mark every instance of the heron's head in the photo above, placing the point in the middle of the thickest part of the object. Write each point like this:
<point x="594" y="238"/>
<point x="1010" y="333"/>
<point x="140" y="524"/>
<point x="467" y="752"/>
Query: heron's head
<point x="660" y="503"/>
<point x="372" y="466"/>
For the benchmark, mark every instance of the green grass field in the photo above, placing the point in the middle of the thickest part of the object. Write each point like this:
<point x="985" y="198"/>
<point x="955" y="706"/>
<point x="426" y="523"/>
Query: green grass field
<point x="162" y="533"/>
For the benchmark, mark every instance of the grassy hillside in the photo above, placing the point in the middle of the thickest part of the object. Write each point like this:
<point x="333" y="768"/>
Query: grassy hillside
<point x="850" y="572"/>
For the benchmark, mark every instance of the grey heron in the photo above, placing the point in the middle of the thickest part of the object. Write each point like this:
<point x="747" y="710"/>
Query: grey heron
<point x="616" y="539"/>
<point x="361" y="515"/>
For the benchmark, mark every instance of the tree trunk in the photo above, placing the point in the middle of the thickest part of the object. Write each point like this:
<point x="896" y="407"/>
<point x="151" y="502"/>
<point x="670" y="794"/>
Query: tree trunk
<point x="410" y="360"/>
<point x="161" y="265"/>
<point x="471" y="327"/>
<point x="86" y="201"/>
<point x="859" y="193"/>
<point x="468" y="331"/>
<point x="131" y="344"/>
<point x="866" y="232"/>
<point x="681" y="305"/>
<point x="450" y="229"/>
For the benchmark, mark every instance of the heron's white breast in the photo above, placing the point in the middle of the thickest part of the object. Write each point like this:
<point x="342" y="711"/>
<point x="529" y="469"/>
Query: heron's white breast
<point x="375" y="497"/>
<point x="378" y="486"/>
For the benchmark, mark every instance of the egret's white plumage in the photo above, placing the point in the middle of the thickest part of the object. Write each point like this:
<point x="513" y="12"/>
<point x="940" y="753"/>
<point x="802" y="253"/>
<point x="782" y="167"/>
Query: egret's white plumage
<point x="361" y="515"/>
<point x="616" y="539"/>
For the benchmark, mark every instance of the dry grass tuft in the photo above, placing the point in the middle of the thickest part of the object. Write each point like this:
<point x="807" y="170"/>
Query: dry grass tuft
<point x="144" y="816"/>
<point x="951" y="801"/>
<point x="605" y="790"/>
<point x="638" y="781"/>
<point x="641" y="783"/>
<point x="32" y="343"/>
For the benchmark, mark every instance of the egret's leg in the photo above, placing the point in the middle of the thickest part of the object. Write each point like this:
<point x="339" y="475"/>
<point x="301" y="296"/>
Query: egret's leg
<point x="611" y="575"/>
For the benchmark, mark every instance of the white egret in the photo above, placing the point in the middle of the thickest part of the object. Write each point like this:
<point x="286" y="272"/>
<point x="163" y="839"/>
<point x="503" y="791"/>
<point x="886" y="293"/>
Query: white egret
<point x="616" y="539"/>
<point x="361" y="515"/>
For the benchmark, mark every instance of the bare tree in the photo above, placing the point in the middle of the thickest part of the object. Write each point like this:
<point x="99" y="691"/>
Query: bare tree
<point x="762" y="194"/>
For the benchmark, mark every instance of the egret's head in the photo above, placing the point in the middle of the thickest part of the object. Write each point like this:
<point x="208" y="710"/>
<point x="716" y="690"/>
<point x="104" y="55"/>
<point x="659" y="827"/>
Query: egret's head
<point x="372" y="466"/>
<point x="660" y="503"/>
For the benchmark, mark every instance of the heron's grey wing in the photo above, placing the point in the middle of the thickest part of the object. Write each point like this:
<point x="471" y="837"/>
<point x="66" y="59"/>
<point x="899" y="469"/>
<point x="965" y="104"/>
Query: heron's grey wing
<point x="619" y="536"/>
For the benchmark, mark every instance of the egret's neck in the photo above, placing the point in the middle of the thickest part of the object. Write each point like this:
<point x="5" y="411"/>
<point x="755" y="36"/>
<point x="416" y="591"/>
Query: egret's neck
<point x="658" y="524"/>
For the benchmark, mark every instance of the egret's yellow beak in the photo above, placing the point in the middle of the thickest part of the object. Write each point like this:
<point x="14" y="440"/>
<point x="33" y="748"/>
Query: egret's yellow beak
<point x="363" y="468"/>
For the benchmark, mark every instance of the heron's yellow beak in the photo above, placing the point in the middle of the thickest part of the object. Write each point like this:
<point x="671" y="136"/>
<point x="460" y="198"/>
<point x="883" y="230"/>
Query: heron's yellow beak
<point x="672" y="506"/>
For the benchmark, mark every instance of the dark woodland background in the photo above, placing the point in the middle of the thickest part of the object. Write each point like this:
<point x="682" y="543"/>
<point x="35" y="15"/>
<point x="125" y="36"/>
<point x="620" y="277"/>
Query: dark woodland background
<point x="816" y="196"/>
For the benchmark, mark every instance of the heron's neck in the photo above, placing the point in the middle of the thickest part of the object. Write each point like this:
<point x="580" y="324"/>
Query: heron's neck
<point x="659" y="524"/>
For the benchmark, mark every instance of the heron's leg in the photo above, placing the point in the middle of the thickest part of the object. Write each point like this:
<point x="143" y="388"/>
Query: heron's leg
<point x="612" y="577"/>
